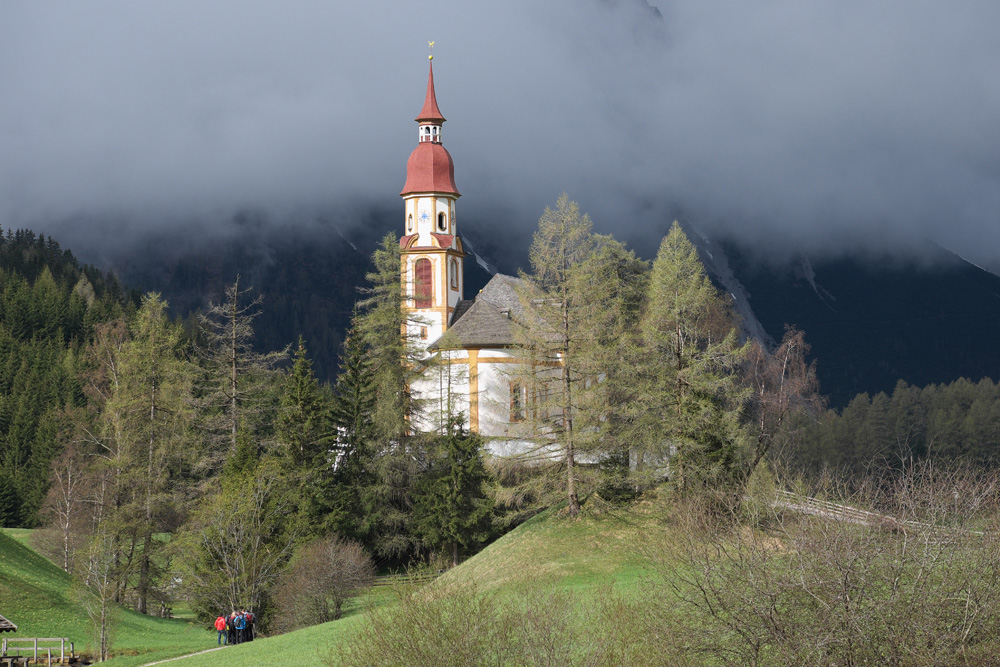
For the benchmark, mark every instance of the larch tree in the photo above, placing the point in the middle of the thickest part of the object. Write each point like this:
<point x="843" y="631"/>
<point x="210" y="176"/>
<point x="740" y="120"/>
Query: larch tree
<point x="691" y="396"/>
<point x="575" y="305"/>
<point x="155" y="394"/>
<point x="235" y="393"/>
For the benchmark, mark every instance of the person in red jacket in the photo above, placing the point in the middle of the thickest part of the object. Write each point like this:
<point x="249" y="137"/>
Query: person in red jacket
<point x="220" y="625"/>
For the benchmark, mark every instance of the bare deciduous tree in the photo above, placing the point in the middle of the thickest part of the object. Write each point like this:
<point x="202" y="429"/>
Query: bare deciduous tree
<point x="66" y="502"/>
<point x="916" y="584"/>
<point x="325" y="575"/>
<point x="781" y="383"/>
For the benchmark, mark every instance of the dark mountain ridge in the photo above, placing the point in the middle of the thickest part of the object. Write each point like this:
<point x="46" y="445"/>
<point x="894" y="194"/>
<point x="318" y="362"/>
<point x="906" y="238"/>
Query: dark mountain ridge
<point x="872" y="322"/>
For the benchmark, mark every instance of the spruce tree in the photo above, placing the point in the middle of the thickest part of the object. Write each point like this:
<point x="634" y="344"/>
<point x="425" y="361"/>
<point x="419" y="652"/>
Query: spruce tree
<point x="392" y="363"/>
<point x="452" y="511"/>
<point x="235" y="394"/>
<point x="304" y="429"/>
<point x="343" y="481"/>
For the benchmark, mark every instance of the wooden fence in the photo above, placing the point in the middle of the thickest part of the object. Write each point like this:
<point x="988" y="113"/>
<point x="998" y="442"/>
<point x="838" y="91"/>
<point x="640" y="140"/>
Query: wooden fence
<point x="404" y="579"/>
<point x="51" y="649"/>
<point x="840" y="512"/>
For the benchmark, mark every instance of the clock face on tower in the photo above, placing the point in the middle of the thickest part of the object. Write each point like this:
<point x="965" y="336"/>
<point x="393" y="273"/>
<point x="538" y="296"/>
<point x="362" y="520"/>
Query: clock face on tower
<point x="424" y="216"/>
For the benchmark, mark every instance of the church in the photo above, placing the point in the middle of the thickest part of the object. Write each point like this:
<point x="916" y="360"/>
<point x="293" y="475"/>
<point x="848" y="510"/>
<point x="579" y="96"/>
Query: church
<point x="469" y="344"/>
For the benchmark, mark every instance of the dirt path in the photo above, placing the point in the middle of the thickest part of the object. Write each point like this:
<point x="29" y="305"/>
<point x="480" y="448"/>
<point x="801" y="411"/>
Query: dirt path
<point x="181" y="657"/>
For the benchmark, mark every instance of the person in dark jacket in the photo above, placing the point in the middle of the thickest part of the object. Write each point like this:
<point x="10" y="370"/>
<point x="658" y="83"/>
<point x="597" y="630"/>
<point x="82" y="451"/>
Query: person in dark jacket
<point x="240" y="622"/>
<point x="231" y="627"/>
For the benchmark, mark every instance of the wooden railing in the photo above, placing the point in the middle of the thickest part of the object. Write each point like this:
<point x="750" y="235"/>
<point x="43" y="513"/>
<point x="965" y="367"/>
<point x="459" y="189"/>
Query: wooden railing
<point x="840" y="512"/>
<point x="403" y="579"/>
<point x="38" y="646"/>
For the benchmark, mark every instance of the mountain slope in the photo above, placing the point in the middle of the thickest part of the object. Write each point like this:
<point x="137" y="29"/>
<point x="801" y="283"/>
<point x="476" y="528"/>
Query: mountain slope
<point x="873" y="322"/>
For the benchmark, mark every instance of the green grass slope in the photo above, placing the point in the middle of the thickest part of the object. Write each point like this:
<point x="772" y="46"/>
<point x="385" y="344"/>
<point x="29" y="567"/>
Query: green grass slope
<point x="35" y="595"/>
<point x="598" y="548"/>
<point x="586" y="554"/>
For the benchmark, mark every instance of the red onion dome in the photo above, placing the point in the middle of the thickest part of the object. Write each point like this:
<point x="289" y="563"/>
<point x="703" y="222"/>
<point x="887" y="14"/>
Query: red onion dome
<point x="430" y="169"/>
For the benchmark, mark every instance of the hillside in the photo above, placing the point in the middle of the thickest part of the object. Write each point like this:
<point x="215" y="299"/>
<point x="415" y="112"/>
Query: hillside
<point x="50" y="305"/>
<point x="585" y="556"/>
<point x="36" y="595"/>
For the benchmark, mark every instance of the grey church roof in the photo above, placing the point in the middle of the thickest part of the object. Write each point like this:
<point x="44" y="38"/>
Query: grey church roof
<point x="486" y="321"/>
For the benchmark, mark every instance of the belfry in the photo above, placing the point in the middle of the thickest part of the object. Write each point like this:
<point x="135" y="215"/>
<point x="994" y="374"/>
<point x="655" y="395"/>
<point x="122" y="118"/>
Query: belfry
<point x="432" y="255"/>
<point x="474" y="378"/>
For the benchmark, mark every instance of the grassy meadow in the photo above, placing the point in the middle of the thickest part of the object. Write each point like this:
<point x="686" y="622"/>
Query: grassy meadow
<point x="585" y="557"/>
<point x="36" y="595"/>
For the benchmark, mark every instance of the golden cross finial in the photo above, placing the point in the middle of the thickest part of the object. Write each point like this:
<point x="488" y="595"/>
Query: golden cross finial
<point x="430" y="45"/>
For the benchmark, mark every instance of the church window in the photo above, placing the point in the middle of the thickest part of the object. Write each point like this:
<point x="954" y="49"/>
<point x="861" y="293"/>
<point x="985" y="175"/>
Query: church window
<point x="424" y="283"/>
<point x="442" y="222"/>
<point x="454" y="274"/>
<point x="518" y="399"/>
<point x="409" y="223"/>
<point x="423" y="333"/>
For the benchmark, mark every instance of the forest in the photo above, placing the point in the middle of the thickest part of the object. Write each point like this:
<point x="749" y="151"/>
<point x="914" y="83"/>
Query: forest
<point x="133" y="438"/>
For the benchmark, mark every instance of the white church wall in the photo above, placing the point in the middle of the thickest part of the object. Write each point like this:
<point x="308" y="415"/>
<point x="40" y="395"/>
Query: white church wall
<point x="442" y="390"/>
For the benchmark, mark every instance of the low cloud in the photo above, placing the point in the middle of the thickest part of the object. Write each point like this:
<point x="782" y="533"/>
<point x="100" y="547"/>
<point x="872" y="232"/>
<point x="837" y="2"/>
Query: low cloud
<point x="795" y="125"/>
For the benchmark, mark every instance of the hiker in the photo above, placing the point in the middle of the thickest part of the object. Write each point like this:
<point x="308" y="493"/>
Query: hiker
<point x="231" y="627"/>
<point x="220" y="625"/>
<point x="240" y="622"/>
<point x="250" y="628"/>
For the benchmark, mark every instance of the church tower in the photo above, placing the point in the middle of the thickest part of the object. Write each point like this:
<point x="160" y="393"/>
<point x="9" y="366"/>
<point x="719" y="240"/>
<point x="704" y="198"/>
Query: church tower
<point x="432" y="255"/>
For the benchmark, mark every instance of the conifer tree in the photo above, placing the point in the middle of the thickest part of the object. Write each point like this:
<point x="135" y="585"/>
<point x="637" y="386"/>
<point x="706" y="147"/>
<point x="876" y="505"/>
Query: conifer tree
<point x="691" y="395"/>
<point x="451" y="510"/>
<point x="392" y="362"/>
<point x="235" y="395"/>
<point x="343" y="481"/>
<point x="553" y="337"/>
<point x="579" y="309"/>
<point x="389" y="356"/>
<point x="304" y="429"/>
<point x="154" y="397"/>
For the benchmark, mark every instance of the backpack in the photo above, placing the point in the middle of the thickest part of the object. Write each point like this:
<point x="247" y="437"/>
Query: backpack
<point x="240" y="622"/>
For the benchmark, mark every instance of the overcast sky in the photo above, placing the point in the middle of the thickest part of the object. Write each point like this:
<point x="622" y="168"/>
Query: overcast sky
<point x="814" y="124"/>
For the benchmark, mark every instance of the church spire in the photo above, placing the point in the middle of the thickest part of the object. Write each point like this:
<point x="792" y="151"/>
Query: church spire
<point x="430" y="113"/>
<point x="431" y="255"/>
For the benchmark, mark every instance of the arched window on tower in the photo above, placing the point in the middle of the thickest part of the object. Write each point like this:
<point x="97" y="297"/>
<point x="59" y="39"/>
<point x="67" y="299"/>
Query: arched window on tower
<point x="423" y="288"/>
<point x="409" y="223"/>
<point x="453" y="269"/>
<point x="442" y="222"/>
